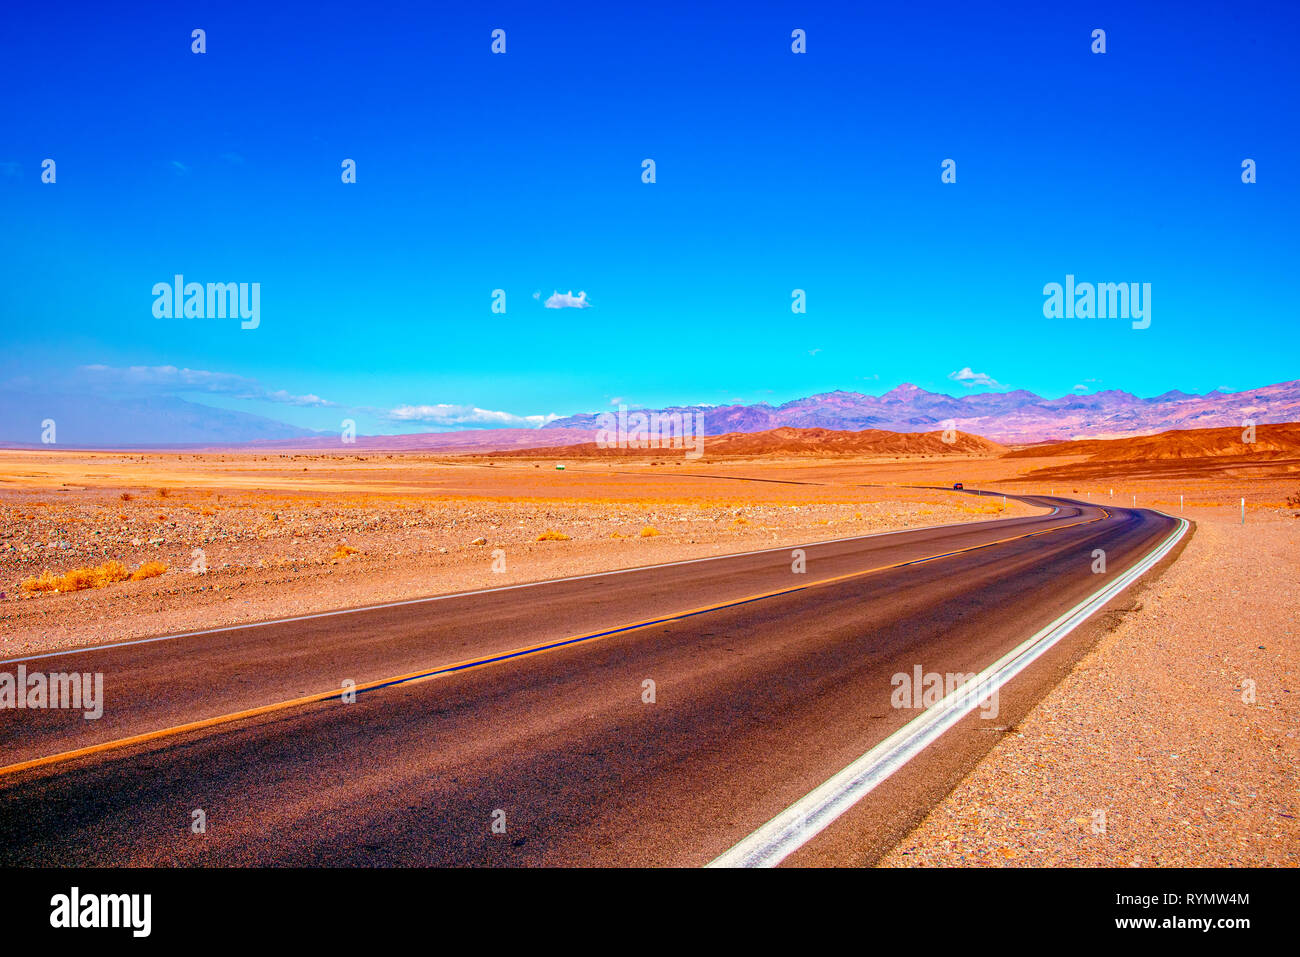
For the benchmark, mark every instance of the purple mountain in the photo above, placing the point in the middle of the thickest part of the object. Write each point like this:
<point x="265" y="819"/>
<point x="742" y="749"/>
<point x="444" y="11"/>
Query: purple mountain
<point x="1014" y="417"/>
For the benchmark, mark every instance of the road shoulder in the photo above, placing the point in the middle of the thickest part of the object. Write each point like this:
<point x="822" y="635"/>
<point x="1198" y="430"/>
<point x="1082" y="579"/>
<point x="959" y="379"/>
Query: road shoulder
<point x="1171" y="743"/>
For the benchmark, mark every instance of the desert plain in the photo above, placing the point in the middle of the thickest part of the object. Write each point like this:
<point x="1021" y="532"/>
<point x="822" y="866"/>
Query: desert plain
<point x="1179" y="731"/>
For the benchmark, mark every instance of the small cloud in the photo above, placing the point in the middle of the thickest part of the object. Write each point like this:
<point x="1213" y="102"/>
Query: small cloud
<point x="617" y="400"/>
<point x="567" y="300"/>
<point x="309" y="400"/>
<point x="1081" y="388"/>
<point x="537" y="294"/>
<point x="970" y="379"/>
<point x="180" y="168"/>
<point x="447" y="415"/>
<point x="813" y="352"/>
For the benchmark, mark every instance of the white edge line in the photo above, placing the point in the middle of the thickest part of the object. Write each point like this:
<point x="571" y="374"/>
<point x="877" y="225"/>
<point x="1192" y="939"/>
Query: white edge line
<point x="810" y="815"/>
<point x="485" y="591"/>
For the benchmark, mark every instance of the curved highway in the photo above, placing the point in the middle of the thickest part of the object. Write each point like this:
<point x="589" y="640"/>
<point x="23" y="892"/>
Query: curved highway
<point x="667" y="715"/>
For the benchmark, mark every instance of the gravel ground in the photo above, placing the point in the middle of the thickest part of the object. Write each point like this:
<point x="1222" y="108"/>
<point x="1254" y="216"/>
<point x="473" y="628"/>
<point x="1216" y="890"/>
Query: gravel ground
<point x="1147" y="754"/>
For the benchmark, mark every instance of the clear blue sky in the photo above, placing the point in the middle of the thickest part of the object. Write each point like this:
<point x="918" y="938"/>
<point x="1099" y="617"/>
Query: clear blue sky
<point x="775" y="171"/>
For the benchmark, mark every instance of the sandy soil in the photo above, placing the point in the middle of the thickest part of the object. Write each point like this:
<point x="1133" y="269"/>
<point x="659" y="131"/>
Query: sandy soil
<point x="420" y="527"/>
<point x="1151" y="752"/>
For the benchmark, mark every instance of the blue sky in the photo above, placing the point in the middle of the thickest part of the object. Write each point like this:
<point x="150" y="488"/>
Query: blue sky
<point x="522" y="171"/>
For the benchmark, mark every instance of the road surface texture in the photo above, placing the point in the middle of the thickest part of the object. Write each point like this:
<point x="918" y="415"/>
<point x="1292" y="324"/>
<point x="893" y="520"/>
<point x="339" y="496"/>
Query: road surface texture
<point x="516" y="726"/>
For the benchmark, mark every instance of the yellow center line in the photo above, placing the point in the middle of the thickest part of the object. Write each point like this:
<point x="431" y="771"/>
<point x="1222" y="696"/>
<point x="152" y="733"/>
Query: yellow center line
<point x="494" y="658"/>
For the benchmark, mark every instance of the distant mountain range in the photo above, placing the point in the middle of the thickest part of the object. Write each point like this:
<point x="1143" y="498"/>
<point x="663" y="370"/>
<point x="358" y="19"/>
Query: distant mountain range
<point x="140" y="422"/>
<point x="1017" y="417"/>
<point x="1008" y="418"/>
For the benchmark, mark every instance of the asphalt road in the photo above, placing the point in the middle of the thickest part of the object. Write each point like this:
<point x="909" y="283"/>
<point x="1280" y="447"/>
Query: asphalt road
<point x="525" y="709"/>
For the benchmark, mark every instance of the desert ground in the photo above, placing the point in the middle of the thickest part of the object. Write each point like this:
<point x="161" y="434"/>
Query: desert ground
<point x="1180" y="726"/>
<point x="293" y="534"/>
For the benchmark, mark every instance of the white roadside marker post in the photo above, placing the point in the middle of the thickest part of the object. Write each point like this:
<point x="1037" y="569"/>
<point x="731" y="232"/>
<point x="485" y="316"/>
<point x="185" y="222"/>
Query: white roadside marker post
<point x="1243" y="511"/>
<point x="1180" y="505"/>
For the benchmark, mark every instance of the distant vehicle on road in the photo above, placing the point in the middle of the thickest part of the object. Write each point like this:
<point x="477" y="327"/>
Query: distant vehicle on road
<point x="958" y="485"/>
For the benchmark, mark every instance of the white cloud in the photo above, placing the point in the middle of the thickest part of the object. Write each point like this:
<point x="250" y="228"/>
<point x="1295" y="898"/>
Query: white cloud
<point x="305" y="400"/>
<point x="560" y="300"/>
<point x="445" y="414"/>
<point x="970" y="378"/>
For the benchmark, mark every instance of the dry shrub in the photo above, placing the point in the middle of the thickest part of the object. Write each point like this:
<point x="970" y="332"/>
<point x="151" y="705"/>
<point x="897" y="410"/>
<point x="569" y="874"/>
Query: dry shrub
<point x="649" y="532"/>
<point x="164" y="492"/>
<point x="148" y="570"/>
<point x="82" y="578"/>
<point x="46" y="582"/>
<point x="126" y="496"/>
<point x="343" y="551"/>
<point x="550" y="535"/>
<point x="78" y="579"/>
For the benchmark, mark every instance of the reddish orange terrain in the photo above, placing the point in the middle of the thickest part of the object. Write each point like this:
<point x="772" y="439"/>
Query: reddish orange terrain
<point x="784" y="442"/>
